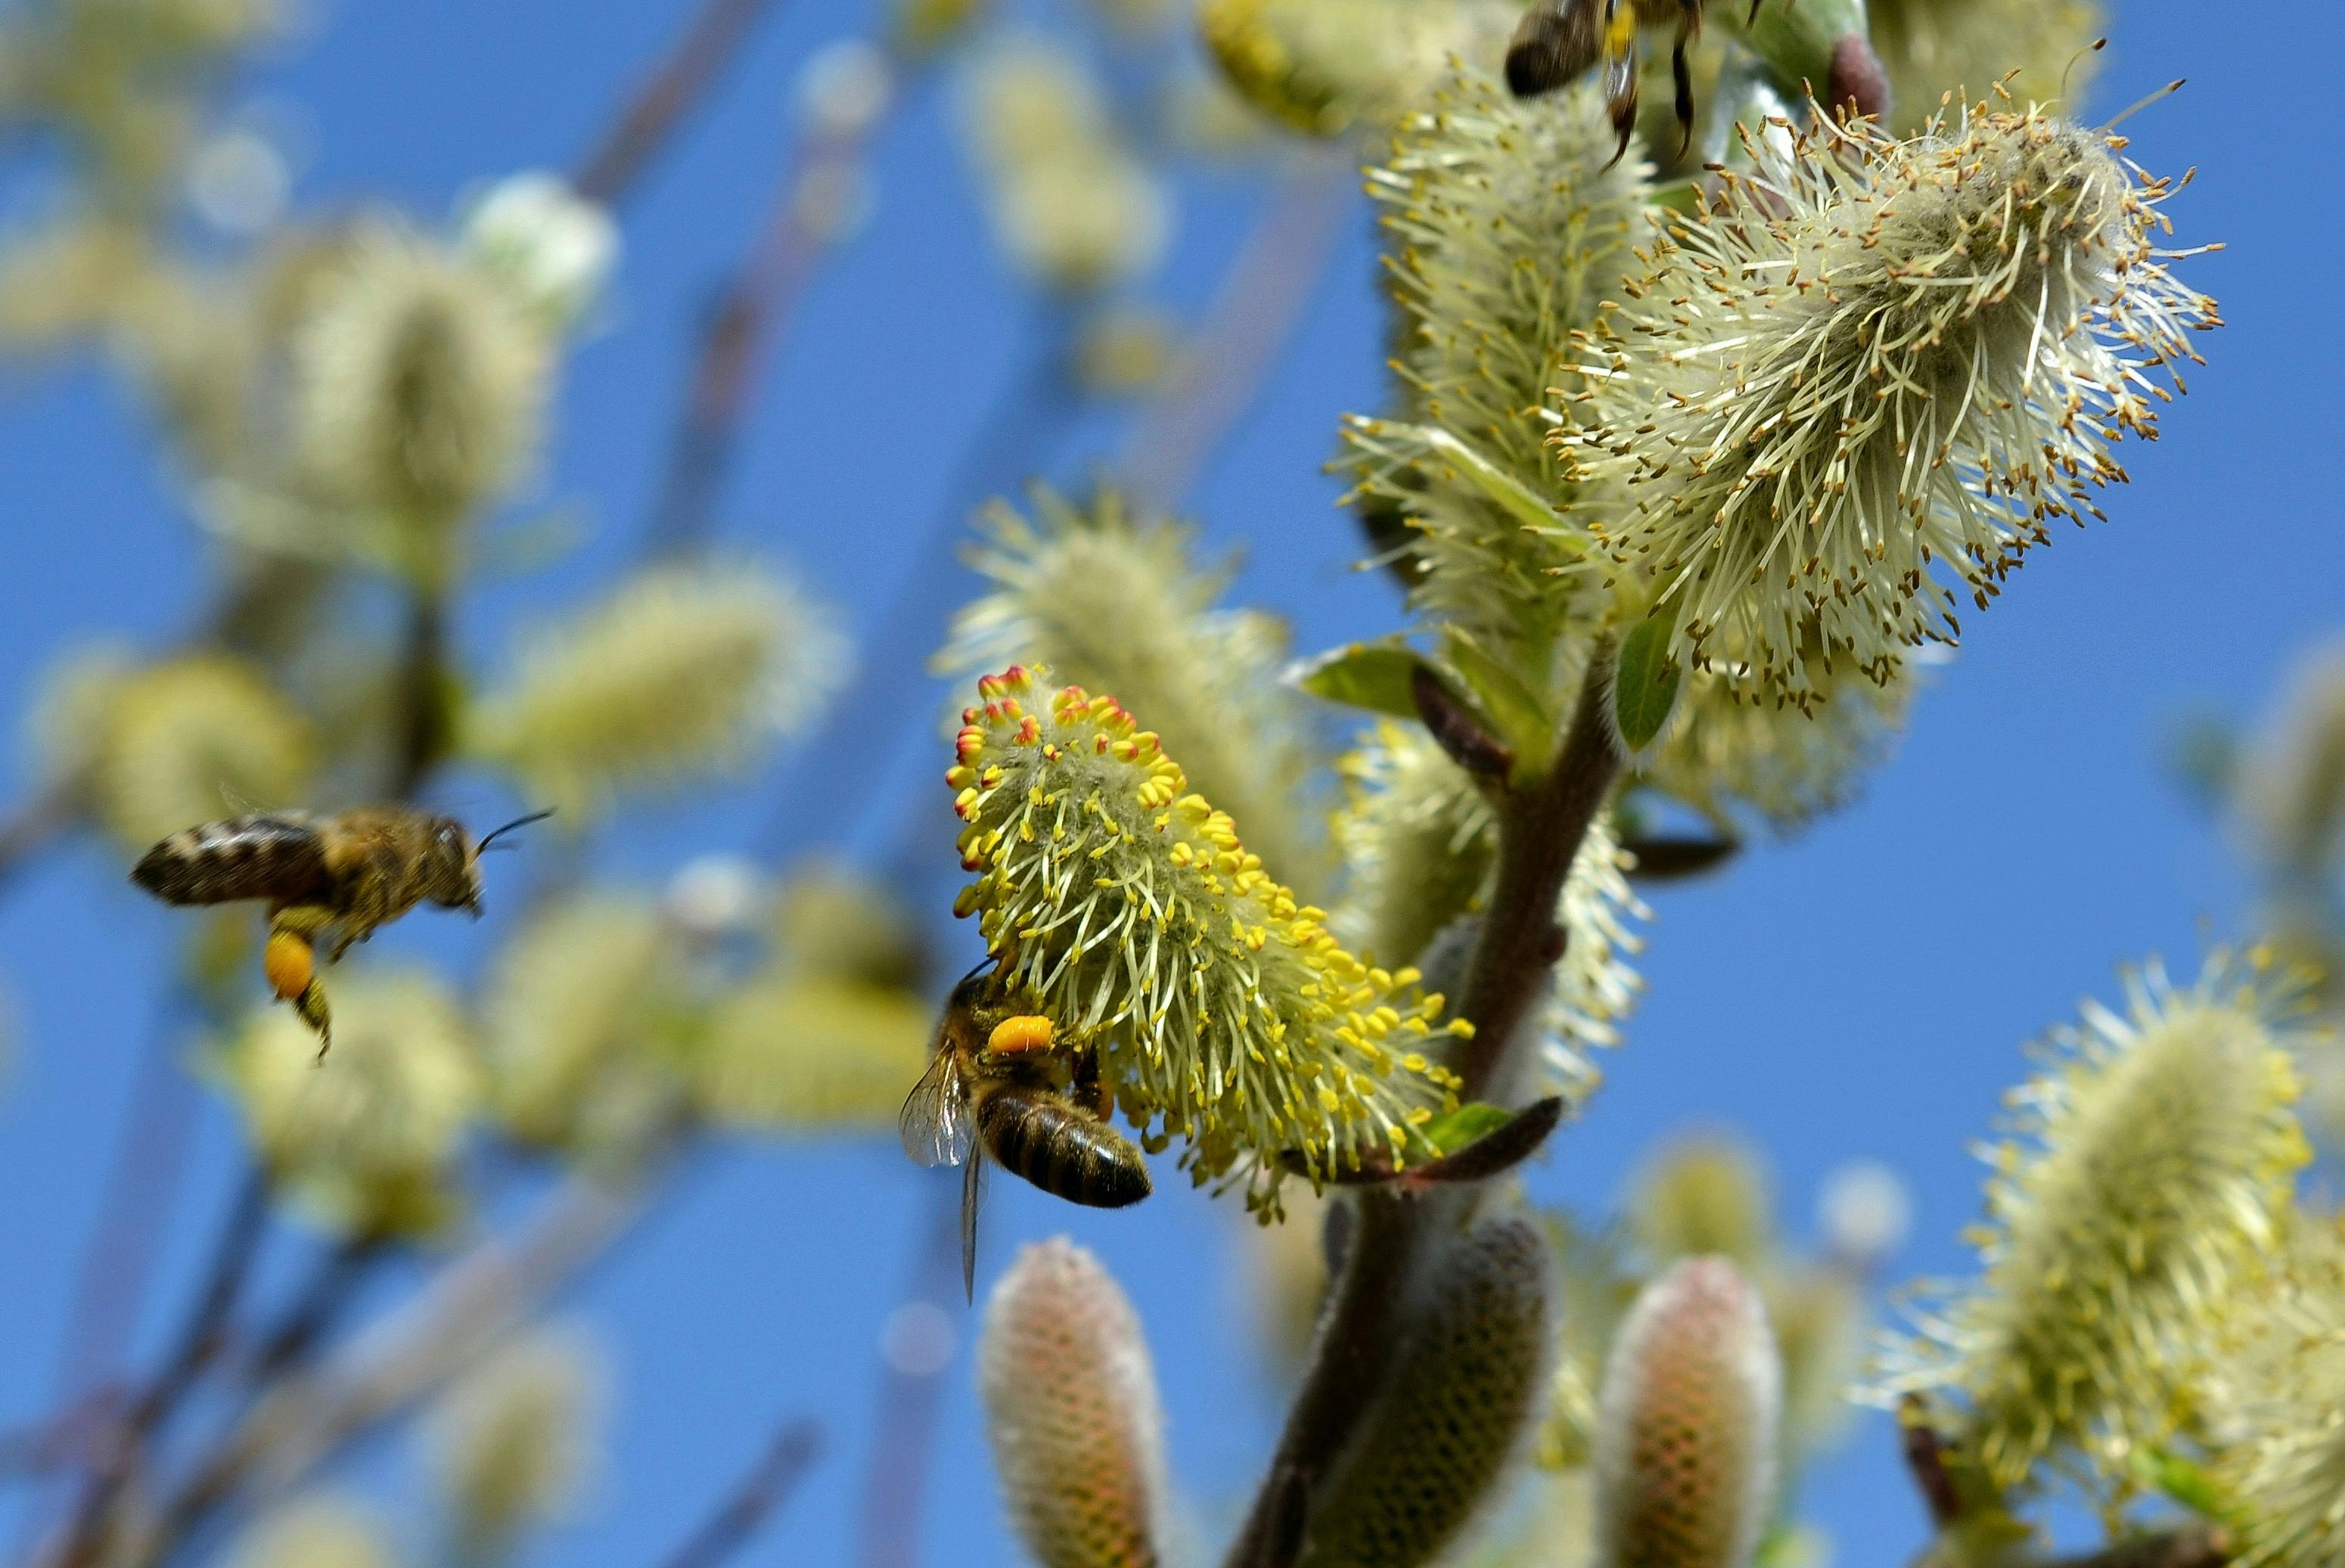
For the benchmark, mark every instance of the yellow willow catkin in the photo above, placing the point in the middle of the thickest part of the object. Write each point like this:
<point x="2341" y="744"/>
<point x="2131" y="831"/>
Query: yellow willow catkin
<point x="1452" y="1412"/>
<point x="1064" y="584"/>
<point x="1685" y="1443"/>
<point x="1869" y="377"/>
<point x="1223" y="1010"/>
<point x="2148" y="1167"/>
<point x="1072" y="1412"/>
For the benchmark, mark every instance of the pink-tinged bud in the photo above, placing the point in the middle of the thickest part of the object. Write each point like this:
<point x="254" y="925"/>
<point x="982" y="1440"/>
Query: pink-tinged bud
<point x="1072" y="1412"/>
<point x="1686" y="1437"/>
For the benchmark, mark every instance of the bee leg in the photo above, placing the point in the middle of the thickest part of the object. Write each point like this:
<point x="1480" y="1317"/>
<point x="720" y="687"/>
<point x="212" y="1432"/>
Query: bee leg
<point x="1682" y="76"/>
<point x="291" y="963"/>
<point x="1088" y="1089"/>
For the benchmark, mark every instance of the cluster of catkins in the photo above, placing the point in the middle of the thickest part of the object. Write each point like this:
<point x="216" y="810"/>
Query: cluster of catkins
<point x="1729" y="447"/>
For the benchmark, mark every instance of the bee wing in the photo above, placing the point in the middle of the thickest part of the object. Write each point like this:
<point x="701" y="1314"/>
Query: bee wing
<point x="972" y="1198"/>
<point x="939" y="1123"/>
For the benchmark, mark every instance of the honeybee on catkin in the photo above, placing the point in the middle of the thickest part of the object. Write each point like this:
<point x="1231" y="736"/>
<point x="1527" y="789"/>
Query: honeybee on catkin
<point x="1002" y="1086"/>
<point x="333" y="878"/>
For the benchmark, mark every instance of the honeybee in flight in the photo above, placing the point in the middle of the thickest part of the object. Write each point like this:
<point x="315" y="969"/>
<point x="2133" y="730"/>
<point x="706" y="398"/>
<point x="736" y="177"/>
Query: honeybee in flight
<point x="1559" y="40"/>
<point x="342" y="875"/>
<point x="997" y="1087"/>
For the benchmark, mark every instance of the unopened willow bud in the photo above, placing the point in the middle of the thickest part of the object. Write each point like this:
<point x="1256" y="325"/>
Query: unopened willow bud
<point x="1685" y="1448"/>
<point x="569" y="1019"/>
<point x="1705" y="1195"/>
<point x="833" y="923"/>
<point x="2149" y="1165"/>
<point x="1071" y="204"/>
<point x="363" y="1139"/>
<point x="812" y="1054"/>
<point x="1451" y="1413"/>
<point x="681" y="671"/>
<point x="319" y="1532"/>
<point x="422" y="380"/>
<point x="1222" y="1010"/>
<point x="515" y="1441"/>
<point x="1071" y="1412"/>
<point x="1806" y="480"/>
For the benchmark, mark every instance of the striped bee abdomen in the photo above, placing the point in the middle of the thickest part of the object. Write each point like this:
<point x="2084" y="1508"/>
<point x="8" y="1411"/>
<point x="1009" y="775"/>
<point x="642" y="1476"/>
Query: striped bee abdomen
<point x="256" y="856"/>
<point x="1067" y="1153"/>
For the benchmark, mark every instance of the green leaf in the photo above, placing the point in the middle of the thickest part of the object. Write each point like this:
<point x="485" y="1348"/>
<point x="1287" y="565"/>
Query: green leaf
<point x="1371" y="676"/>
<point x="1469" y="1123"/>
<point x="2183" y="1481"/>
<point x="1516" y="716"/>
<point x="1645" y="682"/>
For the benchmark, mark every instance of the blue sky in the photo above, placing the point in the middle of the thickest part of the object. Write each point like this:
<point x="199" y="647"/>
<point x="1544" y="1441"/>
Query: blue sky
<point x="1862" y="991"/>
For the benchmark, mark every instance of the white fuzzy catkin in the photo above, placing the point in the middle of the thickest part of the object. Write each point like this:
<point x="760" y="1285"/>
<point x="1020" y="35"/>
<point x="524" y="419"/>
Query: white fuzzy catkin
<point x="2150" y="1164"/>
<point x="1868" y="378"/>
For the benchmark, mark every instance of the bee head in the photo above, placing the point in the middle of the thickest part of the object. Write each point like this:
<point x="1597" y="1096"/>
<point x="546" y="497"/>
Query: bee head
<point x="451" y="867"/>
<point x="453" y="862"/>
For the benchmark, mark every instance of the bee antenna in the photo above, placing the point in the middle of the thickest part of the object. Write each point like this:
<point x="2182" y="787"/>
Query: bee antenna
<point x="517" y="822"/>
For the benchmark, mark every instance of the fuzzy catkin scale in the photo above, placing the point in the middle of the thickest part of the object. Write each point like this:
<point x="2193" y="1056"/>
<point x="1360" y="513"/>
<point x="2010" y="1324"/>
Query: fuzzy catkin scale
<point x="2149" y="1164"/>
<point x="1451" y="1414"/>
<point x="1068" y="588"/>
<point x="1072" y="1412"/>
<point x="1870" y="378"/>
<point x="1223" y="1010"/>
<point x="1504" y="230"/>
<point x="1685" y="1446"/>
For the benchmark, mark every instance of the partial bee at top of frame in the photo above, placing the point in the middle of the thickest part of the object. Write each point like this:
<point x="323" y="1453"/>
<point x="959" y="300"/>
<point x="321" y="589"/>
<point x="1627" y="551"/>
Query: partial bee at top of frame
<point x="332" y="877"/>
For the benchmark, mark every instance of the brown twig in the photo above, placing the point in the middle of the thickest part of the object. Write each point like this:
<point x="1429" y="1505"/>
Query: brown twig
<point x="200" y="1339"/>
<point x="1542" y="822"/>
<point x="681" y="79"/>
<point x="910" y="1397"/>
<point x="749" y="313"/>
<point x="763" y="1489"/>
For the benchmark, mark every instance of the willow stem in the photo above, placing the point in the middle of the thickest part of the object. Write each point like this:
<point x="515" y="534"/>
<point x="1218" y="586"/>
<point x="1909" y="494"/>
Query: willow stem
<point x="1541" y="824"/>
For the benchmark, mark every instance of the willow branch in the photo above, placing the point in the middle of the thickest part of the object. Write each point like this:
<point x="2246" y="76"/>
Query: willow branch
<point x="89" y="1539"/>
<point x="1541" y="824"/>
<point x="1254" y="312"/>
<point x="750" y="311"/>
<point x="309" y="1416"/>
<point x="763" y="1489"/>
<point x="680" y="80"/>
<point x="903" y="1447"/>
